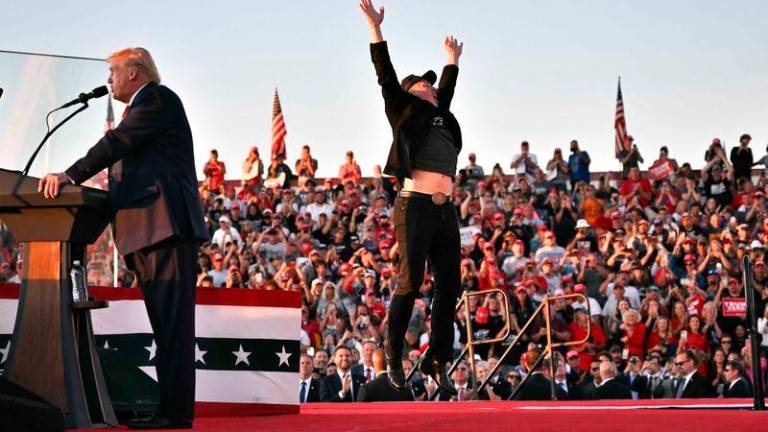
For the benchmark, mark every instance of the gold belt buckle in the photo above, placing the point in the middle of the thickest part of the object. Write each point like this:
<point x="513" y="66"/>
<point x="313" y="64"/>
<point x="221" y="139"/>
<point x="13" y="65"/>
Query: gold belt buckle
<point x="439" y="198"/>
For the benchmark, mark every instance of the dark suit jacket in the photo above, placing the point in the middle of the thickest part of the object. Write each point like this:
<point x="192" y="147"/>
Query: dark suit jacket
<point x="152" y="180"/>
<point x="313" y="393"/>
<point x="502" y="388"/>
<point x="612" y="390"/>
<point x="379" y="390"/>
<point x="330" y="387"/>
<point x="409" y="116"/>
<point x="574" y="392"/>
<point x="697" y="387"/>
<point x="360" y="370"/>
<point x="739" y="390"/>
<point x="536" y="387"/>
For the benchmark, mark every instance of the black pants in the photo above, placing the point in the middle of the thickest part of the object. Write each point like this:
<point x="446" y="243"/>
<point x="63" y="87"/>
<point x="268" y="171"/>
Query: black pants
<point x="166" y="274"/>
<point x="424" y="231"/>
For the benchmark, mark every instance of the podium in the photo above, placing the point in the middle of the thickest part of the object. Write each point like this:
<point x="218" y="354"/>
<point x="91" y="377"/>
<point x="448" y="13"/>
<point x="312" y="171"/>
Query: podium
<point x="52" y="349"/>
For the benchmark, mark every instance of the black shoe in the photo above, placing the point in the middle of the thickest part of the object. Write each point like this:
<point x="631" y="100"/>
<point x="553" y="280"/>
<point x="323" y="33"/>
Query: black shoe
<point x="395" y="373"/>
<point x="158" y="423"/>
<point x="436" y="369"/>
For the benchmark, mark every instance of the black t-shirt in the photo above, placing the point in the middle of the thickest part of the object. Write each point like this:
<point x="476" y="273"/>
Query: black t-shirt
<point x="719" y="190"/>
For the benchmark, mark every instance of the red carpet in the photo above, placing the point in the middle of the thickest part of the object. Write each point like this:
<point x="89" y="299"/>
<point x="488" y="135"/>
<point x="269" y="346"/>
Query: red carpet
<point x="699" y="415"/>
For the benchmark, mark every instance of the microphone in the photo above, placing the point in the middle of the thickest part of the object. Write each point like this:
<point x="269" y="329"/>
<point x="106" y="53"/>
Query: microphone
<point x="85" y="97"/>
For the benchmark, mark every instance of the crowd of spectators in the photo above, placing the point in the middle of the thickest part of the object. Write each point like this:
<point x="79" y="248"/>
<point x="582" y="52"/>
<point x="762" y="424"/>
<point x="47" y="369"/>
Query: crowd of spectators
<point x="657" y="255"/>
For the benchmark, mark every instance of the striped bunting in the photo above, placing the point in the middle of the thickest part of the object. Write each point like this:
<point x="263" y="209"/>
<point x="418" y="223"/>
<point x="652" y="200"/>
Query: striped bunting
<point x="247" y="345"/>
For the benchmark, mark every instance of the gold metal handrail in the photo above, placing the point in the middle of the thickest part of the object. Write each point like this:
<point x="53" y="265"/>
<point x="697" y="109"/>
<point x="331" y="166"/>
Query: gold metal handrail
<point x="548" y="349"/>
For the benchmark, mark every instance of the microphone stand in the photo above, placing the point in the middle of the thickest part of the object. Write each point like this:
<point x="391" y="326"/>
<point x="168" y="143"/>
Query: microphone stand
<point x="49" y="133"/>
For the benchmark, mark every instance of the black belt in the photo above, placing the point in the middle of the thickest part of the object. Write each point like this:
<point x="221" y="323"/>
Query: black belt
<point x="438" y="198"/>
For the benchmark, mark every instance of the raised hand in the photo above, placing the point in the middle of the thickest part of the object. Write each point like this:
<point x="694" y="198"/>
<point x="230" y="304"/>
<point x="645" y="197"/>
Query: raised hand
<point x="454" y="49"/>
<point x="374" y="18"/>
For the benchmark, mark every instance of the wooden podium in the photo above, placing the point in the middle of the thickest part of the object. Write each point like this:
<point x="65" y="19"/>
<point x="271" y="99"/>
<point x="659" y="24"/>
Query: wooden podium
<point x="52" y="350"/>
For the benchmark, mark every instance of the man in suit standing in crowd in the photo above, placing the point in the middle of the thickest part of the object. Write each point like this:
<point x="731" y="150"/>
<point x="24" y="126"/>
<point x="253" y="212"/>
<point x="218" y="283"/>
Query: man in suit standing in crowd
<point x="309" y="388"/>
<point x="378" y="389"/>
<point x="344" y="385"/>
<point x="367" y="368"/>
<point x="737" y="385"/>
<point x="158" y="219"/>
<point x="537" y="386"/>
<point x="692" y="384"/>
<point x="609" y="387"/>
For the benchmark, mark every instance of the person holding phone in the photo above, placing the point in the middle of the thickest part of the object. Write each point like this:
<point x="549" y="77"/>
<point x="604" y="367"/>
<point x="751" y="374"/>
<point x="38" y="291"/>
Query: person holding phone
<point x="423" y="157"/>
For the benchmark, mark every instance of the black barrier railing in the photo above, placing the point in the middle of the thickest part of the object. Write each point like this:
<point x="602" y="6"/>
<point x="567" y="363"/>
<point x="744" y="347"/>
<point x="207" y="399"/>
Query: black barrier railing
<point x="757" y="372"/>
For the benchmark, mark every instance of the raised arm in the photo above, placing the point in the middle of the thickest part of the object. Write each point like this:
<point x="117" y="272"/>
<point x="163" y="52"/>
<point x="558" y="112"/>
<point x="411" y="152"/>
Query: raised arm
<point x="447" y="83"/>
<point x="374" y="19"/>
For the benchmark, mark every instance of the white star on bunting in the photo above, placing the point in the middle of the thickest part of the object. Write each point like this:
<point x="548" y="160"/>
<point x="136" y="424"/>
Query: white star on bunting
<point x="106" y="344"/>
<point x="283" y="357"/>
<point x="242" y="356"/>
<point x="152" y="349"/>
<point x="199" y="354"/>
<point x="4" y="351"/>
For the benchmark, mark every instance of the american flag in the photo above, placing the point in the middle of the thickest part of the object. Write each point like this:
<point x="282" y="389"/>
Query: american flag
<point x="278" y="128"/>
<point x="622" y="141"/>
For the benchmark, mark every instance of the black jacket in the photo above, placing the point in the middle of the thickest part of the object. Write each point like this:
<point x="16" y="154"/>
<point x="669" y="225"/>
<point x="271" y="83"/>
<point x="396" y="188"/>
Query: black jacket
<point x="536" y="387"/>
<point x="409" y="116"/>
<point x="697" y="387"/>
<point x="379" y="390"/>
<point x="313" y="392"/>
<point x="739" y="390"/>
<point x="152" y="181"/>
<point x="330" y="387"/>
<point x="612" y="390"/>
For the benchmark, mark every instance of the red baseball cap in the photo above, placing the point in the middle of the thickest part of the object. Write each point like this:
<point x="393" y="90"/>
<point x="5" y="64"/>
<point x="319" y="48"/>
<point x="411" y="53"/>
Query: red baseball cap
<point x="518" y="211"/>
<point x="580" y="288"/>
<point x="689" y="258"/>
<point x="498" y="216"/>
<point x="218" y="257"/>
<point x="466" y="261"/>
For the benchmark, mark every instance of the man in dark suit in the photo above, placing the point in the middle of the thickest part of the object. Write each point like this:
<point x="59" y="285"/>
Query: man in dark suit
<point x="158" y="220"/>
<point x="309" y="388"/>
<point x="378" y="389"/>
<point x="692" y="384"/>
<point x="737" y="385"/>
<point x="343" y="385"/>
<point x="610" y="388"/>
<point x="537" y="386"/>
<point x="366" y="367"/>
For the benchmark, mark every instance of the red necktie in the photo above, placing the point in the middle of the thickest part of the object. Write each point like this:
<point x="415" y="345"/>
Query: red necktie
<point x="125" y="113"/>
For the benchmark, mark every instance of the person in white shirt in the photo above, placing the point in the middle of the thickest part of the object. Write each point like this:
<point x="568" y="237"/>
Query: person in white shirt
<point x="226" y="233"/>
<point x="318" y="206"/>
<point x="525" y="163"/>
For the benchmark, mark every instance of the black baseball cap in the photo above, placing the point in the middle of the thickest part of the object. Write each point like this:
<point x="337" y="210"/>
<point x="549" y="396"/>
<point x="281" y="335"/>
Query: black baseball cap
<point x="429" y="76"/>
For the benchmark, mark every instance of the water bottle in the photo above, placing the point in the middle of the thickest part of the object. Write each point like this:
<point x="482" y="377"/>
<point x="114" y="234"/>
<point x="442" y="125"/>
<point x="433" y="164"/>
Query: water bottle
<point x="79" y="290"/>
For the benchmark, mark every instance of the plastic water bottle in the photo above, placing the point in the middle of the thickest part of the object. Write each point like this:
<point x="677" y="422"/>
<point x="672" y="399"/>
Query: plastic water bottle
<point x="79" y="290"/>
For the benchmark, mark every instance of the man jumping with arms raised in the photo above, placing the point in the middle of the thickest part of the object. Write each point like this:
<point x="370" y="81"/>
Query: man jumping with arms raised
<point x="425" y="148"/>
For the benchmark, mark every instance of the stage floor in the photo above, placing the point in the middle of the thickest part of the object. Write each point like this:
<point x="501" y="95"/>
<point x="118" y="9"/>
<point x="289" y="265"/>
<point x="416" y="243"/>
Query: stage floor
<point x="479" y="416"/>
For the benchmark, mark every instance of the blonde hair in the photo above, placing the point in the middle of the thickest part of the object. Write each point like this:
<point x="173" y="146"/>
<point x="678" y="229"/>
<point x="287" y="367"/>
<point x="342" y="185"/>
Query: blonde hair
<point x="139" y="58"/>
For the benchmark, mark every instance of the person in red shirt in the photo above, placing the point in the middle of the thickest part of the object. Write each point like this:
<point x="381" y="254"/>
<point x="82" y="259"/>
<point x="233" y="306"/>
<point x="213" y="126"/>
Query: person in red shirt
<point x="596" y="342"/>
<point x="633" y="333"/>
<point x="636" y="191"/>
<point x="661" y="338"/>
<point x="694" y="338"/>
<point x="214" y="171"/>
<point x="350" y="171"/>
